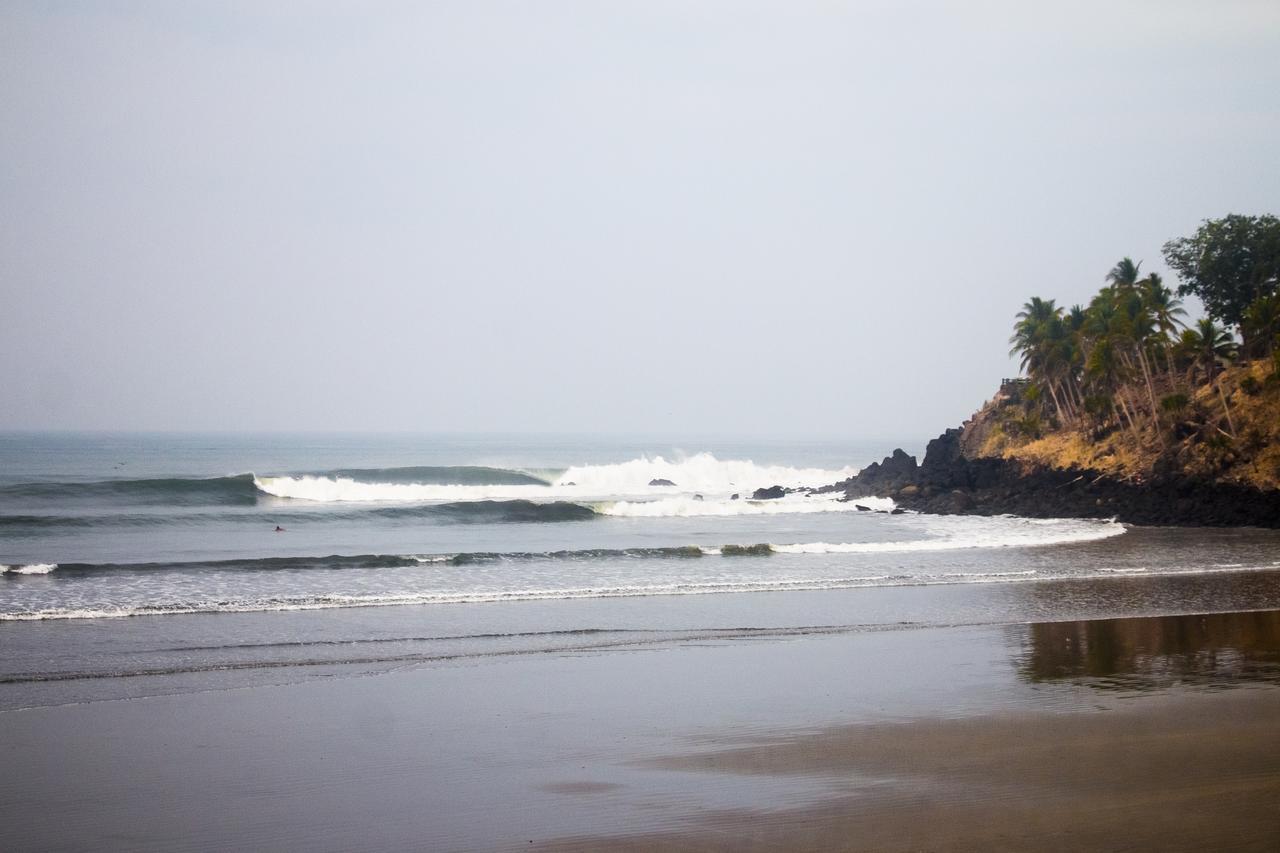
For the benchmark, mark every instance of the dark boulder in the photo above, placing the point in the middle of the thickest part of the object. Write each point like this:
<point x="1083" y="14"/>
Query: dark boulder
<point x="660" y="482"/>
<point x="769" y="494"/>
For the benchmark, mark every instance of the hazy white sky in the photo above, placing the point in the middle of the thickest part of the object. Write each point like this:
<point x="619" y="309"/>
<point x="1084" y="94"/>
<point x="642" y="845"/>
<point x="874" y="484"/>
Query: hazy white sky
<point x="787" y="218"/>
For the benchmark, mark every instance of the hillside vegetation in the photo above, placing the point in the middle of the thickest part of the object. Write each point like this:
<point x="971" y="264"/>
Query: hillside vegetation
<point x="1197" y="439"/>
<point x="1125" y="386"/>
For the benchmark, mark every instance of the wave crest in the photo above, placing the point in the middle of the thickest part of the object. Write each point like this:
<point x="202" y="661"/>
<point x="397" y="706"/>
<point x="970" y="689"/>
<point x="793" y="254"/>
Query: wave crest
<point x="31" y="569"/>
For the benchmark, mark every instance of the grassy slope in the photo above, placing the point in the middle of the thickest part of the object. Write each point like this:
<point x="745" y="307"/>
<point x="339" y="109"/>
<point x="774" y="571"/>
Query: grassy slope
<point x="1195" y="442"/>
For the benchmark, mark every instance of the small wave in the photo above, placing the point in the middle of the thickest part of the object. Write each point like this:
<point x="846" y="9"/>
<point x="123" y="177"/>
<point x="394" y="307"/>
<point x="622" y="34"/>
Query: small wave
<point x="321" y="602"/>
<point x="1025" y="573"/>
<point x="479" y="596"/>
<point x="947" y="533"/>
<point x="31" y="569"/>
<point x="333" y="561"/>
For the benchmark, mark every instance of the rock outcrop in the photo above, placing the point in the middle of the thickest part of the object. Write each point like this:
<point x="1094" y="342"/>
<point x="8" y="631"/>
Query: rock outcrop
<point x="950" y="482"/>
<point x="770" y="494"/>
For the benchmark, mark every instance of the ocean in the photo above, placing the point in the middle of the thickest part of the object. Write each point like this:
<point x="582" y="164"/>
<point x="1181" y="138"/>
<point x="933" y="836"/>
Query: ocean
<point x="214" y="560"/>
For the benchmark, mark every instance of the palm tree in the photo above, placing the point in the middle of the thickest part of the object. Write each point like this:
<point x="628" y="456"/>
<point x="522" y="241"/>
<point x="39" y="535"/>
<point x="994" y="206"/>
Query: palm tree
<point x="1124" y="275"/>
<point x="1118" y="318"/>
<point x="1035" y="335"/>
<point x="1166" y="310"/>
<point x="1107" y="373"/>
<point x="1212" y="346"/>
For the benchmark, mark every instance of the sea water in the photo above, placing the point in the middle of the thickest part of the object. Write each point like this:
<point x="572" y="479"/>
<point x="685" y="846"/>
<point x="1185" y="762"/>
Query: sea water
<point x="181" y="554"/>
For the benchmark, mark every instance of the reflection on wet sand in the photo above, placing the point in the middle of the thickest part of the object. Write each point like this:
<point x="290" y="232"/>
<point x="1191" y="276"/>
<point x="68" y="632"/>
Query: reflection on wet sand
<point x="1211" y="650"/>
<point x="1166" y="768"/>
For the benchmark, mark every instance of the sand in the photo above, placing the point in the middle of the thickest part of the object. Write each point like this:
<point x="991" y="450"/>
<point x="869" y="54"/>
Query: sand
<point x="1128" y="734"/>
<point x="1193" y="772"/>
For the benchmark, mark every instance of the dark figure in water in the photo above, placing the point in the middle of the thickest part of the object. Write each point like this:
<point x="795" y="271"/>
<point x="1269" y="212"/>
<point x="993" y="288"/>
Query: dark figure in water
<point x="279" y="529"/>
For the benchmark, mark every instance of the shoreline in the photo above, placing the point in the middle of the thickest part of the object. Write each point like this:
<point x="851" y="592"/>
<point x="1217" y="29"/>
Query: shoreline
<point x="932" y="737"/>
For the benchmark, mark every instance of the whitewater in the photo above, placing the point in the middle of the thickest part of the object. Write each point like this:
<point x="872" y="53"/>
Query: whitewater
<point x="643" y="477"/>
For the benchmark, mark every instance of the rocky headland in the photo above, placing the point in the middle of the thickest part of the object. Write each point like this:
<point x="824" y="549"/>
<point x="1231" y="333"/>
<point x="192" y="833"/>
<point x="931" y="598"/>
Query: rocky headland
<point x="1192" y="476"/>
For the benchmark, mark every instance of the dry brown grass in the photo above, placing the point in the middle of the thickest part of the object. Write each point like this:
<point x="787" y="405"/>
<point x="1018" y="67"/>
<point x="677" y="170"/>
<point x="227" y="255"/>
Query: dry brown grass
<point x="1209" y="446"/>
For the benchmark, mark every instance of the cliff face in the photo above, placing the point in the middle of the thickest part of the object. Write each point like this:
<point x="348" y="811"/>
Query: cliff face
<point x="1200" y="469"/>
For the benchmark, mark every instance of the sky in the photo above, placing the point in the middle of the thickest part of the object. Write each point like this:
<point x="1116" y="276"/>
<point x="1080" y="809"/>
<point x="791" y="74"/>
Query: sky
<point x="786" y="219"/>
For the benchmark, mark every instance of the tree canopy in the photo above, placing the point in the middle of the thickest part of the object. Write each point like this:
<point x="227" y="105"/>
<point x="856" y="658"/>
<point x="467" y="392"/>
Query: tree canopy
<point x="1229" y="263"/>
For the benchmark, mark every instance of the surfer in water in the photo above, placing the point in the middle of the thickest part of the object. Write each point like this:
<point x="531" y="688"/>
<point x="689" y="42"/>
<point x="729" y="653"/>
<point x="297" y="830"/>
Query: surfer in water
<point x="279" y="529"/>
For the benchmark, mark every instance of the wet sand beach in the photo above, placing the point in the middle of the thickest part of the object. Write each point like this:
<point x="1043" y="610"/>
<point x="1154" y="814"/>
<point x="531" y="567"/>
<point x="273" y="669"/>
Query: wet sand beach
<point x="1136" y="733"/>
<point x="1191" y="772"/>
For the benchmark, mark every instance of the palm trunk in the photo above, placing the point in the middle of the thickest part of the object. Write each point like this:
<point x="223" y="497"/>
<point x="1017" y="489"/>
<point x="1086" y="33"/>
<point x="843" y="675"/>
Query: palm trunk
<point x="1053" y="394"/>
<point x="1151" y="395"/>
<point x="1225" y="407"/>
<point x="1124" y="405"/>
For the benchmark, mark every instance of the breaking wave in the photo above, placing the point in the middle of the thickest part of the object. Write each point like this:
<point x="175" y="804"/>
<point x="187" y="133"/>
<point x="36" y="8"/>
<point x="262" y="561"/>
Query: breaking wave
<point x="701" y="472"/>
<point x="32" y="569"/>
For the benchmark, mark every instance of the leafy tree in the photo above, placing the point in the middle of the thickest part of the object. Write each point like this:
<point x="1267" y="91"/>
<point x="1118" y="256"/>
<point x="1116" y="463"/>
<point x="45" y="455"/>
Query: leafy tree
<point x="1228" y="263"/>
<point x="1262" y="325"/>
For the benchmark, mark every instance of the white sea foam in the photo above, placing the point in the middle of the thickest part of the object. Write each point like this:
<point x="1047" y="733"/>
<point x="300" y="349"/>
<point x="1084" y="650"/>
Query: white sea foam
<point x="946" y="533"/>
<point x="699" y="474"/>
<point x="690" y="507"/>
<point x="32" y="569"/>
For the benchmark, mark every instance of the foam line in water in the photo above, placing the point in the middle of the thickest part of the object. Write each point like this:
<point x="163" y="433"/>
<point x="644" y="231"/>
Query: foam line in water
<point x="946" y="533"/>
